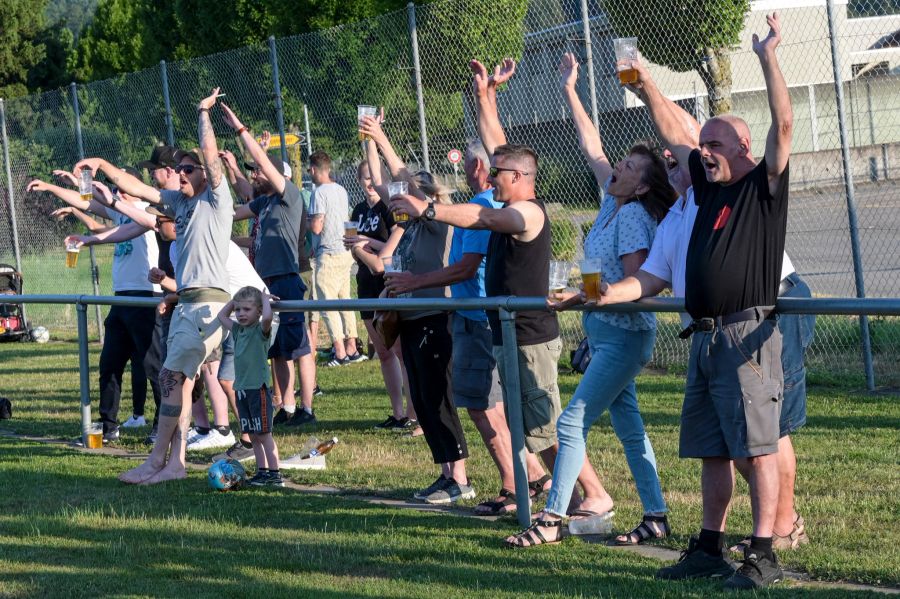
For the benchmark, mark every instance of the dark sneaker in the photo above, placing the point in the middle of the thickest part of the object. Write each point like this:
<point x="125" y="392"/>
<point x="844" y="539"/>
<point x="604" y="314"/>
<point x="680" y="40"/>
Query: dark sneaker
<point x="281" y="417"/>
<point x="440" y="483"/>
<point x="235" y="452"/>
<point x="302" y="417"/>
<point x="111" y="436"/>
<point x="450" y="493"/>
<point x="274" y="480"/>
<point x="259" y="479"/>
<point x="334" y="362"/>
<point x="151" y="438"/>
<point x="357" y="357"/>
<point x="405" y="425"/>
<point x="696" y="563"/>
<point x="388" y="423"/>
<point x="318" y="391"/>
<point x="757" y="572"/>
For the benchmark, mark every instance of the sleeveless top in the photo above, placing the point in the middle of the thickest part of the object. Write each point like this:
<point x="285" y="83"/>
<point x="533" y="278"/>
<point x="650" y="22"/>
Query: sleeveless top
<point x="521" y="268"/>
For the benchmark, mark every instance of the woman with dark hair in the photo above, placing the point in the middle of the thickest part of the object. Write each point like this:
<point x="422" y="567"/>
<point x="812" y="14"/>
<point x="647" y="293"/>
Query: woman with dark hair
<point x="637" y="197"/>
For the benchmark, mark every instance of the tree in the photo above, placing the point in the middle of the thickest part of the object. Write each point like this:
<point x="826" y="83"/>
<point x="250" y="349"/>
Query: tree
<point x="21" y="24"/>
<point x="686" y="35"/>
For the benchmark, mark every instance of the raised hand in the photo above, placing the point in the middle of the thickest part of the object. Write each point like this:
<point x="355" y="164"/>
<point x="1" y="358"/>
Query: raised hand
<point x="66" y="177"/>
<point x="568" y="70"/>
<point x="75" y="241"/>
<point x="37" y="185"/>
<point x="228" y="115"/>
<point x="62" y="213"/>
<point x="371" y="126"/>
<point x="771" y="41"/>
<point x="210" y="100"/>
<point x="503" y="72"/>
<point x="91" y="163"/>
<point x="265" y="140"/>
<point x="230" y="161"/>
<point x="480" y="77"/>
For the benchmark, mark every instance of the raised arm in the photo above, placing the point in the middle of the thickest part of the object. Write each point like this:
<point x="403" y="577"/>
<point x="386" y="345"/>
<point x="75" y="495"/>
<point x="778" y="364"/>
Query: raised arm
<point x="678" y="130"/>
<point x="92" y="225"/>
<point x="373" y="160"/>
<point x="588" y="137"/>
<point x="139" y="216"/>
<point x="207" y="137"/>
<point x="485" y="89"/>
<point x="224" y="315"/>
<point x="113" y="235"/>
<point x="778" y="142"/>
<point x="127" y="183"/>
<point x="69" y="196"/>
<point x="265" y="320"/>
<point x="257" y="153"/>
<point x="236" y="177"/>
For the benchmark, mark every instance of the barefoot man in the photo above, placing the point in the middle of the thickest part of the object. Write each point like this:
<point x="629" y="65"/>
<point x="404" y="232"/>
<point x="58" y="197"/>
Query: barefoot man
<point x="202" y="211"/>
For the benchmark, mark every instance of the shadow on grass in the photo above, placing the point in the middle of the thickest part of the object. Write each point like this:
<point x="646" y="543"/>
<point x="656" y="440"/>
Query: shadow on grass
<point x="183" y="538"/>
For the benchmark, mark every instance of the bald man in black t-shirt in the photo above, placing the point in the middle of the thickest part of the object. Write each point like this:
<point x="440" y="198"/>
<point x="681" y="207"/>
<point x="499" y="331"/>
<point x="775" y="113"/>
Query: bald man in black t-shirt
<point x="734" y="384"/>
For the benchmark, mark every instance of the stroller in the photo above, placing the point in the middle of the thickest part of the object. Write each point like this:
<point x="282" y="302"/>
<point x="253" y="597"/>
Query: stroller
<point x="12" y="317"/>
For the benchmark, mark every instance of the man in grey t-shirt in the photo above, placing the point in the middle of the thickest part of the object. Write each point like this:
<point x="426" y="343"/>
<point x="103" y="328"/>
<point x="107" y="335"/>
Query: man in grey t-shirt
<point x="328" y="210"/>
<point x="202" y="209"/>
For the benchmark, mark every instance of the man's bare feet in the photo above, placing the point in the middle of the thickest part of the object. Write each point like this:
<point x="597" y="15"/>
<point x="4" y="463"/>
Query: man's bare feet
<point x="138" y="475"/>
<point x="168" y="473"/>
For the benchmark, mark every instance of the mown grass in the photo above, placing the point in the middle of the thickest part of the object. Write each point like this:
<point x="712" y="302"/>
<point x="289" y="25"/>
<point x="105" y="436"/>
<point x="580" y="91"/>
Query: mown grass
<point x="69" y="528"/>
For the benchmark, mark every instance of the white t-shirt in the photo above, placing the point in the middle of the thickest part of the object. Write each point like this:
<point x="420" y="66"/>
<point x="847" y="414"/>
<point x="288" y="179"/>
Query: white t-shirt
<point x="240" y="272"/>
<point x="330" y="200"/>
<point x="668" y="255"/>
<point x="132" y="259"/>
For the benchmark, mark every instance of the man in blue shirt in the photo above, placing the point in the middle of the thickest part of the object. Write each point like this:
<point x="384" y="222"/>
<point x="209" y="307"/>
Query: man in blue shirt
<point x="476" y="385"/>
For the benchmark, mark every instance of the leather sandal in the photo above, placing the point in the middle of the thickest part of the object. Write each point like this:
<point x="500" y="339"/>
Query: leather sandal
<point x="645" y="532"/>
<point x="536" y="487"/>
<point x="497" y="508"/>
<point x="532" y="536"/>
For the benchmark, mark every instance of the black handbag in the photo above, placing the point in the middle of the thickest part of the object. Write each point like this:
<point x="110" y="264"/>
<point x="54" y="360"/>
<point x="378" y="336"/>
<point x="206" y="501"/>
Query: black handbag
<point x="581" y="357"/>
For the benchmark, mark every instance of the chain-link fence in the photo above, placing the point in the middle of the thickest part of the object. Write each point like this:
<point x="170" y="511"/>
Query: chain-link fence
<point x="415" y="63"/>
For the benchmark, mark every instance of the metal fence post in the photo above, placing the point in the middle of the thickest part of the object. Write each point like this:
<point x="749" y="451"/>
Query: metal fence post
<point x="170" y="126"/>
<point x="279" y="105"/>
<point x="851" y="198"/>
<point x="308" y="136"/>
<point x="9" y="191"/>
<point x="417" y="71"/>
<point x="514" y="414"/>
<point x="95" y="272"/>
<point x="84" y="370"/>
<point x="589" y="55"/>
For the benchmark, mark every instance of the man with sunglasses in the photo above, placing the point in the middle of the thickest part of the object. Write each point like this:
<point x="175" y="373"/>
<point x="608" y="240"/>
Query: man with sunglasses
<point x="518" y="262"/>
<point x="279" y="206"/>
<point x="202" y="210"/>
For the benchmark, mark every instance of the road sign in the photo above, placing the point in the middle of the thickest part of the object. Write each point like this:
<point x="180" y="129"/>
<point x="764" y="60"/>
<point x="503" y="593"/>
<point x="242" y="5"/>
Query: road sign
<point x="289" y="140"/>
<point x="454" y="156"/>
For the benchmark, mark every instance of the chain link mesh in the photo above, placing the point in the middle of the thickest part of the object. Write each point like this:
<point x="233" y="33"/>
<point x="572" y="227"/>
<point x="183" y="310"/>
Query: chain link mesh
<point x="325" y="74"/>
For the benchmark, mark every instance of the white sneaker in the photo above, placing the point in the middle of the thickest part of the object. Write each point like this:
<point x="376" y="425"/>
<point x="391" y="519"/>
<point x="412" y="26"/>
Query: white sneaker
<point x="213" y="440"/>
<point x="192" y="435"/>
<point x="134" y="422"/>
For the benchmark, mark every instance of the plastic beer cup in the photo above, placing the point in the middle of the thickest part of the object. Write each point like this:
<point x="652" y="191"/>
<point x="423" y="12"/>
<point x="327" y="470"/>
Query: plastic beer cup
<point x="626" y="51"/>
<point x="94" y="437"/>
<point x="85" y="184"/>
<point x="363" y="111"/>
<point x="72" y="251"/>
<point x="350" y="228"/>
<point x="396" y="188"/>
<point x="590" y="278"/>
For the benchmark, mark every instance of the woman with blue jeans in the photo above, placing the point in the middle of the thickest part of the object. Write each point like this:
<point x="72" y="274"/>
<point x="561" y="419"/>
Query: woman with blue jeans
<point x="637" y="197"/>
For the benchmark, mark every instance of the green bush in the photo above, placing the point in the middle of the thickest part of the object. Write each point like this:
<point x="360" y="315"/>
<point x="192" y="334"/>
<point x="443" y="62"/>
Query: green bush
<point x="563" y="239"/>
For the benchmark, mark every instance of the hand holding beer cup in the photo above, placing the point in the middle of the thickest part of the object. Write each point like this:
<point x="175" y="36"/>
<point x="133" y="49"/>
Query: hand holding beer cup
<point x="73" y="247"/>
<point x="626" y="53"/>
<point x="590" y="280"/>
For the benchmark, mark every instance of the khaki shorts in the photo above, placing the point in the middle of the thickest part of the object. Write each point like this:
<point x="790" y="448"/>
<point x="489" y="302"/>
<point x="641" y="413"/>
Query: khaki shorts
<point x="538" y="369"/>
<point x="188" y="345"/>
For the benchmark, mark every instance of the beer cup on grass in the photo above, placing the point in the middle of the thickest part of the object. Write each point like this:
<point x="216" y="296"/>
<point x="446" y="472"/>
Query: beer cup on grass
<point x="590" y="278"/>
<point x="626" y="51"/>
<point x="72" y="251"/>
<point x="397" y="188"/>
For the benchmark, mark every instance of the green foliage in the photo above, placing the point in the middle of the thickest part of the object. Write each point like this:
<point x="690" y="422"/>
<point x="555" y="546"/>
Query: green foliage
<point x="872" y="8"/>
<point x="563" y="238"/>
<point x="453" y="33"/>
<point x="21" y="24"/>
<point x="52" y="71"/>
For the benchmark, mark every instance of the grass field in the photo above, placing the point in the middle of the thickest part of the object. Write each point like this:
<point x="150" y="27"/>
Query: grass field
<point x="69" y="528"/>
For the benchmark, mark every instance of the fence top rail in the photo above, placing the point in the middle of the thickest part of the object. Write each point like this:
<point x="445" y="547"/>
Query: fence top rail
<point x="833" y="305"/>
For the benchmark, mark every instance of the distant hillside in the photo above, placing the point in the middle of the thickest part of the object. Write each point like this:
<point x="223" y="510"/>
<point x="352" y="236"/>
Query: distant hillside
<point x="76" y="14"/>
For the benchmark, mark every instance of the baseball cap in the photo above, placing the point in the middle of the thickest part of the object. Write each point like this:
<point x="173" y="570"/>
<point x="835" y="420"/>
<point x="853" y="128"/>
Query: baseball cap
<point x="159" y="210"/>
<point x="179" y="154"/>
<point x="162" y="156"/>
<point x="283" y="167"/>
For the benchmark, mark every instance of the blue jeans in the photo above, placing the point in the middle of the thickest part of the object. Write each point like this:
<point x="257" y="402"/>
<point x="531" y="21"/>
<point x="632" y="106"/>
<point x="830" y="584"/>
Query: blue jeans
<point x="797" y="334"/>
<point x="608" y="383"/>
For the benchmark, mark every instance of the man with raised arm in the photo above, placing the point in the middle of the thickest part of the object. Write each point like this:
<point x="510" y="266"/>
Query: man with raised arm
<point x="202" y="210"/>
<point x="733" y="396"/>
<point x="279" y="207"/>
<point x="518" y="263"/>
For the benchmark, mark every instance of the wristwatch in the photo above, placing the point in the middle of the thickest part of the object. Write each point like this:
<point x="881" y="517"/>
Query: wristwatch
<point x="429" y="212"/>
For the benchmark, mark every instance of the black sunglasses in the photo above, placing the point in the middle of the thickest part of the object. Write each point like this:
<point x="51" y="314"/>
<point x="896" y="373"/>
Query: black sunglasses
<point x="496" y="170"/>
<point x="187" y="169"/>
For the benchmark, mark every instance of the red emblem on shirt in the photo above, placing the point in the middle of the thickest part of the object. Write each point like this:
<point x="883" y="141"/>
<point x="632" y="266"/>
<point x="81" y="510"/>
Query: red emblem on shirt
<point x="722" y="218"/>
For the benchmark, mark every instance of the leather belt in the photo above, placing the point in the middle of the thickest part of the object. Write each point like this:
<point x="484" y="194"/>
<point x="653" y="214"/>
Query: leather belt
<point x="706" y="325"/>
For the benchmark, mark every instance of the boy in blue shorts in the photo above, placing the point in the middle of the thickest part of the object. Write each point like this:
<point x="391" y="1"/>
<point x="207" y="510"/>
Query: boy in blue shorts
<point x="252" y="335"/>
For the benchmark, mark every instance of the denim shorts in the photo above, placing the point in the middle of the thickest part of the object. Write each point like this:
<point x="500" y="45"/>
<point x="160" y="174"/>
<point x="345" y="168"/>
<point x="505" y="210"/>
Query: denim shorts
<point x="797" y="332"/>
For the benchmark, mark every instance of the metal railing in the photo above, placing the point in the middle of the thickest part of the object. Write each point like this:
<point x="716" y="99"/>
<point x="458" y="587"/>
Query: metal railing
<point x="506" y="306"/>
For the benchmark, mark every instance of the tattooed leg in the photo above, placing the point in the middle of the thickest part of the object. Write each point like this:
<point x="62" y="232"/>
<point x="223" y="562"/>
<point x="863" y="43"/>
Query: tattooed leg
<point x="170" y="408"/>
<point x="181" y="417"/>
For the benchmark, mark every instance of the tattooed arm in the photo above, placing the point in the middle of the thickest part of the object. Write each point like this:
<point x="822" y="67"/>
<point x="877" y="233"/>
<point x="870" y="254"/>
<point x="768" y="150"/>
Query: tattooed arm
<point x="208" y="140"/>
